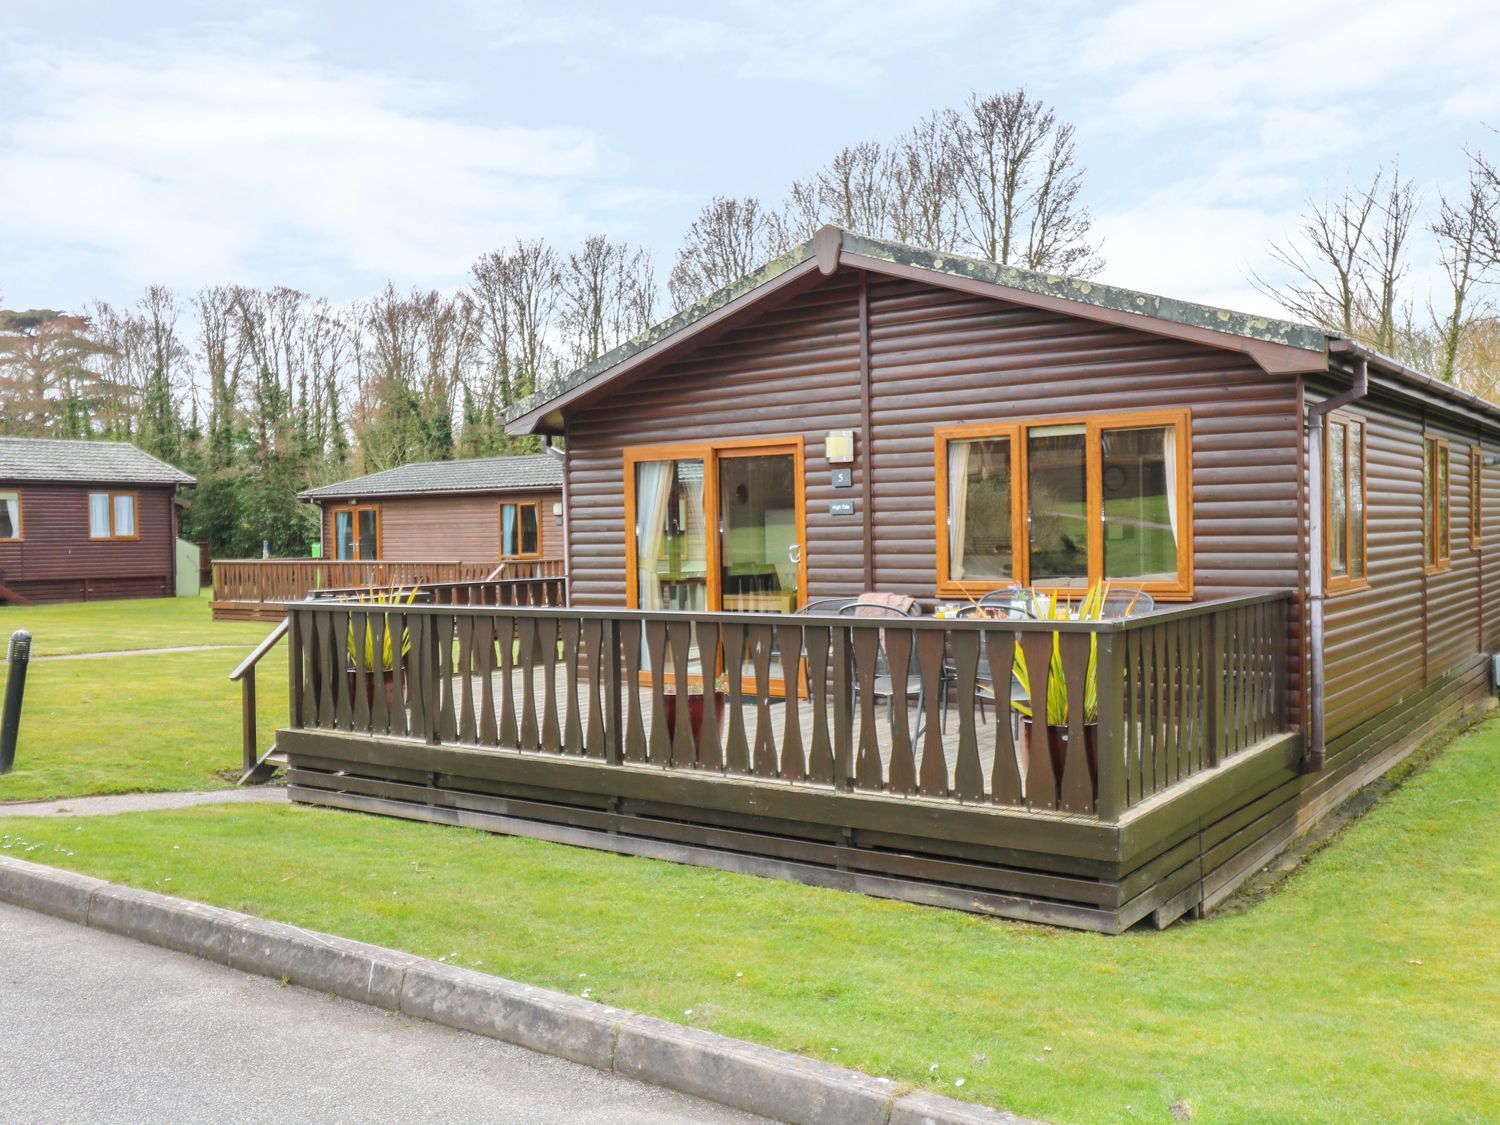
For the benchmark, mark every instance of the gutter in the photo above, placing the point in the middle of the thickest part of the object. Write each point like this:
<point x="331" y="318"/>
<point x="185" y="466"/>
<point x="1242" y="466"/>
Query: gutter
<point x="567" y="514"/>
<point x="1317" y="504"/>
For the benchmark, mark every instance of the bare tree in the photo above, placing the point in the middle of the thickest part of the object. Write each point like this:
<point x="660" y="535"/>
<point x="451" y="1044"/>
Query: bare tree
<point x="1468" y="235"/>
<point x="515" y="294"/>
<point x="1019" y="182"/>
<point x="728" y="239"/>
<point x="1385" y="263"/>
<point x="1326" y="261"/>
<point x="607" y="295"/>
<point x="922" y="201"/>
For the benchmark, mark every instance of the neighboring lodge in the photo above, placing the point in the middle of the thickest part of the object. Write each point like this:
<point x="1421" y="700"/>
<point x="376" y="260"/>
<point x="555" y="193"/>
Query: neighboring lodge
<point x="85" y="519"/>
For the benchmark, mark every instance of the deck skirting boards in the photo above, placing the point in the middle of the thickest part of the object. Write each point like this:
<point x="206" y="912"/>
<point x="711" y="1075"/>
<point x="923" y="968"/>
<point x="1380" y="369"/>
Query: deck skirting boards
<point x="1204" y="858"/>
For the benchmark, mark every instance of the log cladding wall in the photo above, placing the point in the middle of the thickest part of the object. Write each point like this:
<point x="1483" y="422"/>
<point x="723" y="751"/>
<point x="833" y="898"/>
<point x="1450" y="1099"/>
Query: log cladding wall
<point x="941" y="357"/>
<point x="795" y="370"/>
<point x="1408" y="628"/>
<point x="462" y="527"/>
<point x="56" y="561"/>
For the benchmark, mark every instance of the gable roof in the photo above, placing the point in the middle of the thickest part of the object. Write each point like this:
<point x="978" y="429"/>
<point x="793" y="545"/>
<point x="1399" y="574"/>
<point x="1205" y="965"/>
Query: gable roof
<point x="1277" y="345"/>
<point x="477" y="474"/>
<point x="86" y="462"/>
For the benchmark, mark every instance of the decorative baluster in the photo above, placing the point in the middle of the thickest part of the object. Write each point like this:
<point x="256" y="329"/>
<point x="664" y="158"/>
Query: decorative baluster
<point x="468" y="721"/>
<point x="380" y="717"/>
<point x="363" y="659"/>
<point x="659" y="747"/>
<point x="592" y="640"/>
<point x="868" y="769"/>
<point x="547" y="654"/>
<point x="1077" y="783"/>
<point x="635" y="728"/>
<point x="573" y="720"/>
<point x="736" y="748"/>
<point x="820" y="750"/>
<point x="448" y="717"/>
<point x="902" y="775"/>
<point x="793" y="763"/>
<point x="968" y="774"/>
<point x="764" y="759"/>
<point x="1041" y="778"/>
<point x="931" y="649"/>
<point x="484" y="658"/>
<point x="328" y="672"/>
<point x="1173" y="705"/>
<point x="505" y="645"/>
<point x="679" y="639"/>
<point x="710" y="748"/>
<point x="526" y="654"/>
<point x="1006" y="785"/>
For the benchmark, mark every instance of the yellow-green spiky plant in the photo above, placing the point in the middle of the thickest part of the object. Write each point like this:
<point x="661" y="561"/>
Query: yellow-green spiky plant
<point x="362" y="651"/>
<point x="1090" y="609"/>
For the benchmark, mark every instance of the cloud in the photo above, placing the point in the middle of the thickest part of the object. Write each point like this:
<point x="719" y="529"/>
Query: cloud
<point x="196" y="160"/>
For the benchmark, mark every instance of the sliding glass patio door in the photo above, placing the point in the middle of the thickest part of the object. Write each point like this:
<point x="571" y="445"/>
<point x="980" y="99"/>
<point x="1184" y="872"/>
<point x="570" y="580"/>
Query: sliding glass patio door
<point x="760" y="548"/>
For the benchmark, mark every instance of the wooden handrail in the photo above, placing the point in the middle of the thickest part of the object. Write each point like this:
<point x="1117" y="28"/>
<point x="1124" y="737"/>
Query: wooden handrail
<point x="265" y="646"/>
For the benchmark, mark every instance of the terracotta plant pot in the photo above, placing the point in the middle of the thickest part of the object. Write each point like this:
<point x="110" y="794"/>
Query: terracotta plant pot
<point x="695" y="712"/>
<point x="385" y="677"/>
<point x="1057" y="750"/>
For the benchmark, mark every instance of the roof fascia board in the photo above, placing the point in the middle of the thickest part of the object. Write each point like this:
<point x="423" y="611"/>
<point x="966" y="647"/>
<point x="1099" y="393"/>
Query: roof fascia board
<point x="424" y="493"/>
<point x="1272" y="357"/>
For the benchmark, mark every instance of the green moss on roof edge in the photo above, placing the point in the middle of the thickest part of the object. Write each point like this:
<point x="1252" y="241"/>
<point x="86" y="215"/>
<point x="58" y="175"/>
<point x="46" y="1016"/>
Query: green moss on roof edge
<point x="1093" y="293"/>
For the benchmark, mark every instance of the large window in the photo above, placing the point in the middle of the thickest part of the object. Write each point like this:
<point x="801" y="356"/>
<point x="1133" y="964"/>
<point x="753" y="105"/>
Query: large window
<point x="10" y="516"/>
<point x="1344" y="537"/>
<point x="112" y="515"/>
<point x="520" y="529"/>
<point x="1064" y="503"/>
<point x="1476" y="496"/>
<point x="1437" y="548"/>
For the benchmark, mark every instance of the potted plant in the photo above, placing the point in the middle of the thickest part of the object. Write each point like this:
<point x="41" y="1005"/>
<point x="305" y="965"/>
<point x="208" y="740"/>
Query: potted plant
<point x="1056" y="713"/>
<point x="695" y="707"/>
<point x="377" y="661"/>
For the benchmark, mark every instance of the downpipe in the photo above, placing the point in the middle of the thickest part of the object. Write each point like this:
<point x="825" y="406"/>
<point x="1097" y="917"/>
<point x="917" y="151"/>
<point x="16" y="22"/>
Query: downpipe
<point x="15" y="689"/>
<point x="1317" y="579"/>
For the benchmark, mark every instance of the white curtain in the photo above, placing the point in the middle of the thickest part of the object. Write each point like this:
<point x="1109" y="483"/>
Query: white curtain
<point x="1169" y="462"/>
<point x="10" y="515"/>
<point x="653" y="488"/>
<point x="98" y="515"/>
<point x="958" y="505"/>
<point x="124" y="515"/>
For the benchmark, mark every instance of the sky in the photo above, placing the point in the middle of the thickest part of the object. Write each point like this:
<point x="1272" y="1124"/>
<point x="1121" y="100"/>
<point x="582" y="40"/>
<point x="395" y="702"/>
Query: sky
<point x="336" y="146"/>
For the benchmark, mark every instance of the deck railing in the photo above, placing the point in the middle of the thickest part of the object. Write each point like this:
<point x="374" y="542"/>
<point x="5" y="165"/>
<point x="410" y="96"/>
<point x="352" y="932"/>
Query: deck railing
<point x="261" y="587"/>
<point x="904" y="707"/>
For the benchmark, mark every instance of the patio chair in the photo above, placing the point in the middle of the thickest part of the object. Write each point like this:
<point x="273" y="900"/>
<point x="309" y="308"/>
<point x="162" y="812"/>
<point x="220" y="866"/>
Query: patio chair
<point x="1126" y="601"/>
<point x="828" y="606"/>
<point x="1013" y="595"/>
<point x="902" y="607"/>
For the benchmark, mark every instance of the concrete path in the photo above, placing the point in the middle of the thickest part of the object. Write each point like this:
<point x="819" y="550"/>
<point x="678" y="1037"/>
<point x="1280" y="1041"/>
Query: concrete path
<point x="136" y="652"/>
<point x="140" y="802"/>
<point x="98" y="1027"/>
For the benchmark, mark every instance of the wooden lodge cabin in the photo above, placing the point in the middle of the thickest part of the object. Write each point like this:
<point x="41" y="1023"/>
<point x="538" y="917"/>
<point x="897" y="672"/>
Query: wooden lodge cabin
<point x="860" y="416"/>
<point x="427" y="522"/>
<point x="85" y="519"/>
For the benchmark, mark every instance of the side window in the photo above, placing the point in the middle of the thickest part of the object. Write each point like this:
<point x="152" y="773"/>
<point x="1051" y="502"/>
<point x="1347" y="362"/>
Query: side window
<point x="1437" y="547"/>
<point x="1344" y="535"/>
<point x="1476" y="496"/>
<point x="10" y="516"/>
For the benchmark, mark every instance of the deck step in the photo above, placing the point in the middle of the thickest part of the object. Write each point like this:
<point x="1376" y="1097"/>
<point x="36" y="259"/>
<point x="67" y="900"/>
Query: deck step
<point x="266" y="768"/>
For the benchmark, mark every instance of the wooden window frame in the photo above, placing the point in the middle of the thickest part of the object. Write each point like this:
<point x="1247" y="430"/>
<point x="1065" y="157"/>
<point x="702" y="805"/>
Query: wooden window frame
<point x="135" y="506"/>
<point x="354" y="510"/>
<point x="500" y="518"/>
<point x="1346" y="583"/>
<point x="1476" y="497"/>
<point x="1437" y="536"/>
<point x="20" y="535"/>
<point x="709" y="453"/>
<point x="1094" y="426"/>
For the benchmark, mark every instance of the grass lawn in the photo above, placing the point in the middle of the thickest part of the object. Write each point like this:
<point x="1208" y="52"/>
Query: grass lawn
<point x="116" y="724"/>
<point x="1365" y="988"/>
<point x="109" y="626"/>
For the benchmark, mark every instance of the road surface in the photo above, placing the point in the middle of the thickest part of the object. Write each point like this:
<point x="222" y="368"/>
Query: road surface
<point x="98" y="1027"/>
